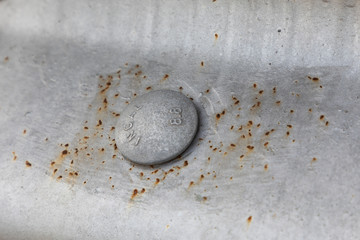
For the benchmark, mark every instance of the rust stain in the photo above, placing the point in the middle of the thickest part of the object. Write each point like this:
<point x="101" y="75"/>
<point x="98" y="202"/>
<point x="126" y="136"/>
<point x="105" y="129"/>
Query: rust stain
<point x="202" y="63"/>
<point x="166" y="76"/>
<point x="216" y="36"/>
<point x="266" y="167"/>
<point x="6" y="59"/>
<point x="14" y="156"/>
<point x="28" y="164"/>
<point x="134" y="194"/>
<point x="249" y="219"/>
<point x="24" y="131"/>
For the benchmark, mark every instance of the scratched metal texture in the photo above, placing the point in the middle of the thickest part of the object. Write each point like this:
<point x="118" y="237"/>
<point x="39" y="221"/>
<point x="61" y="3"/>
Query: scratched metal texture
<point x="276" y="85"/>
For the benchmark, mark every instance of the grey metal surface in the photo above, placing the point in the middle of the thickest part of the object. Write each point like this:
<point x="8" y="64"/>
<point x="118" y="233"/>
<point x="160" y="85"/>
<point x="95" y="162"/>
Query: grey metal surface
<point x="156" y="127"/>
<point x="277" y="88"/>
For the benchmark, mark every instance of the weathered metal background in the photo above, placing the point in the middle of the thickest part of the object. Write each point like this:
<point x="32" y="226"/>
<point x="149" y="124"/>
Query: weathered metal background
<point x="276" y="84"/>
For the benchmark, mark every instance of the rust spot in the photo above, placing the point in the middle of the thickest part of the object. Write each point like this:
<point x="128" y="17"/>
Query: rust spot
<point x="232" y="127"/>
<point x="236" y="102"/>
<point x="65" y="152"/>
<point x="99" y="123"/>
<point x="266" y="167"/>
<point x="261" y="92"/>
<point x="28" y="164"/>
<point x="116" y="95"/>
<point x="242" y="156"/>
<point x="216" y="36"/>
<point x="322" y="117"/>
<point x="205" y="198"/>
<point x="14" y="156"/>
<point x="327" y="123"/>
<point x="157" y="181"/>
<point x="84" y="182"/>
<point x="274" y="90"/>
<point x="266" y="143"/>
<point x="134" y="194"/>
<point x="254" y="85"/>
<point x="59" y="177"/>
<point x="186" y="163"/>
<point x="232" y="145"/>
<point x="180" y="88"/>
<point x="291" y="111"/>
<point x="249" y="220"/>
<point x="166" y="76"/>
<point x="287" y="133"/>
<point x="250" y="123"/>
<point x="207" y="91"/>
<point x="191" y="184"/>
<point x="24" y="132"/>
<point x="258" y="125"/>
<point x="6" y="59"/>
<point x="314" y="160"/>
<point x="315" y="79"/>
<point x="250" y="147"/>
<point x="52" y="163"/>
<point x="278" y="102"/>
<point x="148" y="88"/>
<point x="202" y="64"/>
<point x="142" y="191"/>
<point x="289" y="126"/>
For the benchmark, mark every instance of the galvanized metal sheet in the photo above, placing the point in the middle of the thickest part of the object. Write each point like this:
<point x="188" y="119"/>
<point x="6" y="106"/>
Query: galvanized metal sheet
<point x="277" y="88"/>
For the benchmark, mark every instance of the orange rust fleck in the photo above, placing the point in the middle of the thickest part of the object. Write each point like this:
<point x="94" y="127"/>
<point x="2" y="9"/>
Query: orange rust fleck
<point x="274" y="90"/>
<point x="291" y="111"/>
<point x="28" y="164"/>
<point x="166" y="76"/>
<point x="250" y="147"/>
<point x="249" y="220"/>
<point x="278" y="102"/>
<point x="266" y="167"/>
<point x="14" y="156"/>
<point x="59" y="177"/>
<point x="186" y="163"/>
<point x="191" y="184"/>
<point x="310" y="110"/>
<point x="254" y="85"/>
<point x="157" y="181"/>
<point x="135" y="192"/>
<point x="143" y="190"/>
<point x="148" y="88"/>
<point x="64" y="152"/>
<point x="322" y="117"/>
<point x="327" y="123"/>
<point x="202" y="64"/>
<point x="266" y="143"/>
<point x="216" y="36"/>
<point x="24" y="132"/>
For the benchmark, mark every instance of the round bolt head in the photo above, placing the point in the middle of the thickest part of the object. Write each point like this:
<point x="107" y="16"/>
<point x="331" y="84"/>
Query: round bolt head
<point x="156" y="127"/>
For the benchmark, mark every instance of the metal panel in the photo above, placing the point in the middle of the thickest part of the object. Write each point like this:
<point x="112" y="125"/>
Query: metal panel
<point x="276" y="86"/>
